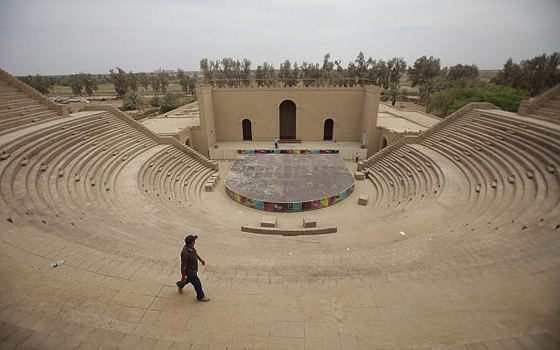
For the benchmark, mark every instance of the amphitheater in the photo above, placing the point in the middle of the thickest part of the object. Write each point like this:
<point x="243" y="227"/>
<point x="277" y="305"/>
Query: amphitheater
<point x="458" y="248"/>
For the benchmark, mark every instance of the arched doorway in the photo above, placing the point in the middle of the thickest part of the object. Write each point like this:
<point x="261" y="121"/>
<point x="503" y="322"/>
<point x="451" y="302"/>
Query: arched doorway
<point x="188" y="142"/>
<point x="288" y="120"/>
<point x="247" y="132"/>
<point x="383" y="142"/>
<point x="328" y="130"/>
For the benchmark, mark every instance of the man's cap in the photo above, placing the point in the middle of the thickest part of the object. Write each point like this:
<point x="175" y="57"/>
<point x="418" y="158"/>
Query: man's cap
<point x="190" y="238"/>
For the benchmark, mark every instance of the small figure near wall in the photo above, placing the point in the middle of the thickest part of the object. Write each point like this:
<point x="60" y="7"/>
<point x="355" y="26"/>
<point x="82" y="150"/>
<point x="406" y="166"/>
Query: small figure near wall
<point x="357" y="156"/>
<point x="275" y="142"/>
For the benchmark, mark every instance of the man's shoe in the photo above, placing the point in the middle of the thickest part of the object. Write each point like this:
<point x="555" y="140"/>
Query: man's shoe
<point x="179" y="288"/>
<point x="204" y="299"/>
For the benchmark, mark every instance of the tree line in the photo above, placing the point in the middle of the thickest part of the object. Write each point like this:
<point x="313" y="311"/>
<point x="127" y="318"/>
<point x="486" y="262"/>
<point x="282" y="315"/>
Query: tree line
<point x="124" y="82"/>
<point x="227" y="72"/>
<point x="426" y="73"/>
<point x="533" y="75"/>
<point x="514" y="83"/>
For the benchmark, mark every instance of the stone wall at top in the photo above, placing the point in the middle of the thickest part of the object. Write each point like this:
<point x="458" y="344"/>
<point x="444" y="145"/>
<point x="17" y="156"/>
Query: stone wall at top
<point x="352" y="109"/>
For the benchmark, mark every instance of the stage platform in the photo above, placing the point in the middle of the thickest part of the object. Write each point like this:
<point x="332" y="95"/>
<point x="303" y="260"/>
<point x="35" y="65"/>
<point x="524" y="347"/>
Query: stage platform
<point x="229" y="150"/>
<point x="288" y="182"/>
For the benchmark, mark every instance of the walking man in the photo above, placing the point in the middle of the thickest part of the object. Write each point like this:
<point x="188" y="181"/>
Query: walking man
<point x="357" y="156"/>
<point x="275" y="142"/>
<point x="189" y="268"/>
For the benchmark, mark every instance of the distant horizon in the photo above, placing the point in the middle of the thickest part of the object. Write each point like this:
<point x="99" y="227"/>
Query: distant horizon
<point x="62" y="37"/>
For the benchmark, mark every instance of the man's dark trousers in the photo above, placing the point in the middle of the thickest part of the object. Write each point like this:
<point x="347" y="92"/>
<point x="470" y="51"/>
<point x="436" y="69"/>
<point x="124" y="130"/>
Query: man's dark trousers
<point x="195" y="281"/>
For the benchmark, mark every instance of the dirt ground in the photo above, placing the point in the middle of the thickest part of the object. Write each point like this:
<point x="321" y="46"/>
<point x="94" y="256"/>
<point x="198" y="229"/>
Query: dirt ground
<point x="409" y="105"/>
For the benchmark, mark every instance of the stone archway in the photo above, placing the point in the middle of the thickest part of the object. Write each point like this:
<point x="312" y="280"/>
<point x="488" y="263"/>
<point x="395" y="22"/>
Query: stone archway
<point x="247" y="131"/>
<point x="383" y="142"/>
<point x="288" y="120"/>
<point x="328" y="130"/>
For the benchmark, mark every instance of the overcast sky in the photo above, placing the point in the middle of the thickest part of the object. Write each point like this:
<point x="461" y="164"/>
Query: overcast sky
<point x="70" y="36"/>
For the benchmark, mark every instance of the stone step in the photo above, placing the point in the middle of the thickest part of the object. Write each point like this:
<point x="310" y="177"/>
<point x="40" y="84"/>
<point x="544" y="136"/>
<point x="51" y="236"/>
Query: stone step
<point x="550" y="111"/>
<point x="552" y="104"/>
<point x="22" y="111"/>
<point x="546" y="118"/>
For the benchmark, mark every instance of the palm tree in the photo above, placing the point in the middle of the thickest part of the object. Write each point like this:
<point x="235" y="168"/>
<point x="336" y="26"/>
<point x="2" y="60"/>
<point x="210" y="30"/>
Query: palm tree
<point x="393" y="93"/>
<point x="430" y="87"/>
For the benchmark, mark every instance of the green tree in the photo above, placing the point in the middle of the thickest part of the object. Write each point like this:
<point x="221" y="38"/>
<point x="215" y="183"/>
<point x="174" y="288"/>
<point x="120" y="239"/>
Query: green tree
<point x="76" y="84"/>
<point x="540" y="73"/>
<point x="351" y="75"/>
<point x="163" y="81"/>
<point x="381" y="73"/>
<point x="448" y="101"/>
<point x="285" y="72"/>
<point x="132" y="81"/>
<point x="155" y="101"/>
<point x="155" y="83"/>
<point x="144" y="80"/>
<point x="510" y="75"/>
<point x="431" y="86"/>
<point x="535" y="75"/>
<point x="246" y="72"/>
<point x="459" y="72"/>
<point x="103" y="79"/>
<point x="218" y="78"/>
<point x="192" y="85"/>
<point x="270" y="74"/>
<point x="83" y="81"/>
<point x="294" y="75"/>
<point x="169" y="102"/>
<point x="120" y="81"/>
<point x="184" y="80"/>
<point x="288" y="75"/>
<point x="393" y="93"/>
<point x="89" y="83"/>
<point x="259" y="76"/>
<point x="206" y="69"/>
<point x="40" y="83"/>
<point x="361" y="68"/>
<point x="423" y="70"/>
<point x="340" y="74"/>
<point x="227" y="70"/>
<point x="310" y="73"/>
<point x="265" y="75"/>
<point x="396" y="67"/>
<point x="327" y="71"/>
<point x="131" y="101"/>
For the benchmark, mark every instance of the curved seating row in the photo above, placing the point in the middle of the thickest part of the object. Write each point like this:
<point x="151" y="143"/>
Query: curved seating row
<point x="405" y="178"/>
<point x="19" y="110"/>
<point x="509" y="174"/>
<point x="69" y="172"/>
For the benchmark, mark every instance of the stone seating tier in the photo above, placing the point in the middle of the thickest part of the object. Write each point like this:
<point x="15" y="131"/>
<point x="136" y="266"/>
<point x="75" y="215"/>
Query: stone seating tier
<point x="544" y="107"/>
<point x="22" y="107"/>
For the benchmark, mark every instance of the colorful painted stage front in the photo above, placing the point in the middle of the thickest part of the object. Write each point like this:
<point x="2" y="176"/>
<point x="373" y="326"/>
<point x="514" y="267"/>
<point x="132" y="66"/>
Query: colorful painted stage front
<point x="288" y="182"/>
